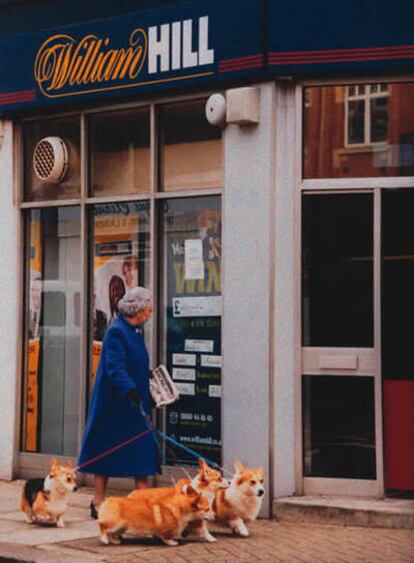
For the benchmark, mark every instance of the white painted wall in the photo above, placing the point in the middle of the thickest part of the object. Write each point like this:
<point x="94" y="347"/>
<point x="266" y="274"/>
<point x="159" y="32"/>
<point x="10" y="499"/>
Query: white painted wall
<point x="247" y="208"/>
<point x="9" y="311"/>
<point x="286" y="291"/>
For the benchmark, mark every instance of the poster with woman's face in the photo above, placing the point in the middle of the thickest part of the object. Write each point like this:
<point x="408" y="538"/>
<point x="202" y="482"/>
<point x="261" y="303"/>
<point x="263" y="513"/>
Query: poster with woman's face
<point x="120" y="244"/>
<point x="112" y="280"/>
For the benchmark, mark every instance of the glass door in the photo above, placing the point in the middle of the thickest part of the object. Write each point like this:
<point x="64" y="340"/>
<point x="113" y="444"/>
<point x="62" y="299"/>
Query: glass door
<point x="398" y="339"/>
<point x="341" y="385"/>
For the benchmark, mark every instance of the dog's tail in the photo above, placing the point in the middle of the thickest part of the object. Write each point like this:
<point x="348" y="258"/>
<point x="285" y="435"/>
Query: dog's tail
<point x="24" y="505"/>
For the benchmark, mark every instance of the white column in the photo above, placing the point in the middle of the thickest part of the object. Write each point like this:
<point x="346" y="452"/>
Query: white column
<point x="9" y="310"/>
<point x="286" y="290"/>
<point x="247" y="263"/>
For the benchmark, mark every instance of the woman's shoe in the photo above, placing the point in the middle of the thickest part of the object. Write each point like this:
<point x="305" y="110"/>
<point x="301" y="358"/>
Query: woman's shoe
<point x="93" y="511"/>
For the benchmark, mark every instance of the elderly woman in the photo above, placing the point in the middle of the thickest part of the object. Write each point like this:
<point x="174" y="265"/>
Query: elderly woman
<point x="122" y="385"/>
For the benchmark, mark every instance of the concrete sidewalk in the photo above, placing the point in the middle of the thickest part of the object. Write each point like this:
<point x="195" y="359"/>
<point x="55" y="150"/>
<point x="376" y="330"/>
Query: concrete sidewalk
<point x="270" y="541"/>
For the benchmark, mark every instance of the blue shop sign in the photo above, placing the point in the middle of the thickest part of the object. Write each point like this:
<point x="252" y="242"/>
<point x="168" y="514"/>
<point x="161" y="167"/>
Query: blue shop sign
<point x="187" y="44"/>
<point x="202" y="43"/>
<point x="323" y="38"/>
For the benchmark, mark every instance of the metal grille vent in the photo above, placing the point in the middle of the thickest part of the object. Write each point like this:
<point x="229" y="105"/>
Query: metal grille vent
<point x="50" y="159"/>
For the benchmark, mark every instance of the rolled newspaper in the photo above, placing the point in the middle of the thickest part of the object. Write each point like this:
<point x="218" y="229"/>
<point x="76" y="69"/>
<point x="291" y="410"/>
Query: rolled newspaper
<point x="162" y="387"/>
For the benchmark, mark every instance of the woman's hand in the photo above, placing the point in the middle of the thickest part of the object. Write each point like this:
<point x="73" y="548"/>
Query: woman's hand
<point x="134" y="396"/>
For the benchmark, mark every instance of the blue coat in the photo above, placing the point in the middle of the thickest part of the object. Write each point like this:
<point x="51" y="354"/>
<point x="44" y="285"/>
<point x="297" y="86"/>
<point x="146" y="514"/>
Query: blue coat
<point x="112" y="418"/>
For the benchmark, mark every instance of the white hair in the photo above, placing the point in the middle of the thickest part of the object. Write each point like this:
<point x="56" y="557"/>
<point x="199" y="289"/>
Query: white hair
<point x="135" y="300"/>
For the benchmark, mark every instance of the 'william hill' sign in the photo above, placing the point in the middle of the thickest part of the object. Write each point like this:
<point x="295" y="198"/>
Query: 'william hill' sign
<point x="65" y="66"/>
<point x="197" y="43"/>
<point x="182" y="45"/>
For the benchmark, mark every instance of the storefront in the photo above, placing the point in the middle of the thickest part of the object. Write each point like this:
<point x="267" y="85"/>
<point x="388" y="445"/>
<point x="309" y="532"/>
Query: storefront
<point x="275" y="236"/>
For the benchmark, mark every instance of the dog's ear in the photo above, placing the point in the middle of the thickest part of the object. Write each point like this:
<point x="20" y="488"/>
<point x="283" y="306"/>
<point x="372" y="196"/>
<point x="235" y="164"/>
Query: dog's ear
<point x="69" y="464"/>
<point x="202" y="463"/>
<point x="203" y="468"/>
<point x="238" y="466"/>
<point x="53" y="463"/>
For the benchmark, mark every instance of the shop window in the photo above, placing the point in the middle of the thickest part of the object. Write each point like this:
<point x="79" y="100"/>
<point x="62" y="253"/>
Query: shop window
<point x="191" y="323"/>
<point x="116" y="245"/>
<point x="121" y="255"/>
<point x="191" y="148"/>
<point x="52" y="159"/>
<point x="363" y="130"/>
<point x="120" y="152"/>
<point x="338" y="426"/>
<point x="337" y="270"/>
<point x="366" y="120"/>
<point x="397" y="267"/>
<point x="52" y="368"/>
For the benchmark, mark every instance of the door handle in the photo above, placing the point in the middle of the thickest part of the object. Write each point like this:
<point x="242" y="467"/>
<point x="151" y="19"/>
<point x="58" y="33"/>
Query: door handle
<point x="338" y="362"/>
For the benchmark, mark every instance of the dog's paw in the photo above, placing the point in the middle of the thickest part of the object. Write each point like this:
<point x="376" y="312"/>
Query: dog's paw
<point x="240" y="530"/>
<point x="209" y="537"/>
<point x="170" y="543"/>
<point x="60" y="524"/>
<point x="243" y="532"/>
<point x="104" y="539"/>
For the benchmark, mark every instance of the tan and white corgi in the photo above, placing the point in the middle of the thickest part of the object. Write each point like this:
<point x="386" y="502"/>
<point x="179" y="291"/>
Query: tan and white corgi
<point x="163" y="515"/>
<point x="44" y="501"/>
<point x="241" y="502"/>
<point x="207" y="481"/>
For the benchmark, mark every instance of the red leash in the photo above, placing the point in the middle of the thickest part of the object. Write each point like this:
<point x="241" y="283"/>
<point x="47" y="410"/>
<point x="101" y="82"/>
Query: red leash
<point x="119" y="446"/>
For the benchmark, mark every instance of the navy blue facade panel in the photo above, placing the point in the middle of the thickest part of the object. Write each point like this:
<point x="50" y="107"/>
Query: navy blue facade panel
<point x="28" y="16"/>
<point x="190" y="44"/>
<point x="186" y="44"/>
<point x="358" y="35"/>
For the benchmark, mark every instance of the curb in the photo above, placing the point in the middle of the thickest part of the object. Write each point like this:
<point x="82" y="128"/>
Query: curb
<point x="341" y="512"/>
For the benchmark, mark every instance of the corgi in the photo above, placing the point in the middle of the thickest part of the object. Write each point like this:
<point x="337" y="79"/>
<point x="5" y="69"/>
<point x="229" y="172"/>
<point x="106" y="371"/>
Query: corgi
<point x="207" y="481"/>
<point x="161" y="515"/>
<point x="44" y="501"/>
<point x="241" y="502"/>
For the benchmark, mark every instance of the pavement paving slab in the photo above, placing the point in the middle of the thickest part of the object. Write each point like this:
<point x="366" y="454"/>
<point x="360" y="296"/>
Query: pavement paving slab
<point x="32" y="534"/>
<point x="270" y="541"/>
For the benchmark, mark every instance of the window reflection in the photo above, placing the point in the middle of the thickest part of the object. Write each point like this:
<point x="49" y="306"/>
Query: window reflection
<point x="52" y="373"/>
<point x="120" y="152"/>
<point x="339" y="426"/>
<point x="191" y="148"/>
<point x="364" y="130"/>
<point x="337" y="270"/>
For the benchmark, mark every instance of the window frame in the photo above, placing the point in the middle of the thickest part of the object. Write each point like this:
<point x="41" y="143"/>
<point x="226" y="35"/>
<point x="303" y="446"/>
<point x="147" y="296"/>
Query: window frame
<point x="313" y="187"/>
<point x="366" y="97"/>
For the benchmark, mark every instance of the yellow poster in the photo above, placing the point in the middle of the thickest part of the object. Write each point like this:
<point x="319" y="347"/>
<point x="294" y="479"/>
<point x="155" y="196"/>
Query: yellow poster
<point x="32" y="394"/>
<point x="96" y="356"/>
<point x="32" y="374"/>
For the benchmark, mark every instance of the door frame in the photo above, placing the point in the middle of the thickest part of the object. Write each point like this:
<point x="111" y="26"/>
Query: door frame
<point x="332" y="486"/>
<point x="369" y="362"/>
